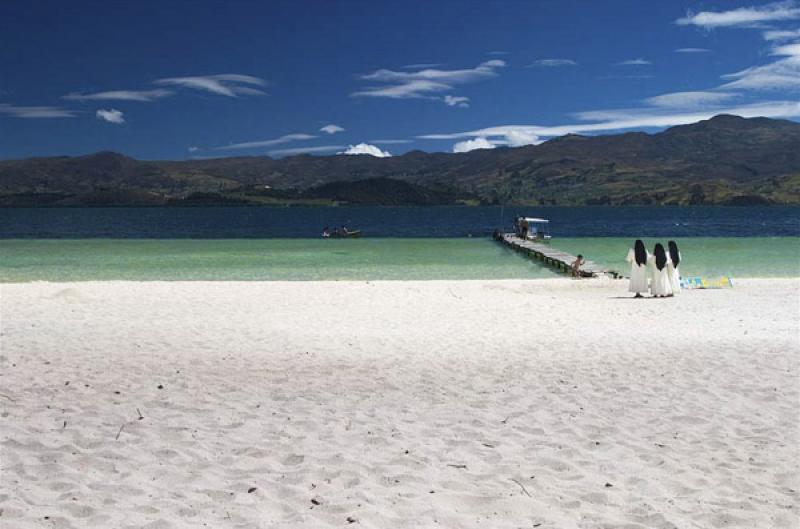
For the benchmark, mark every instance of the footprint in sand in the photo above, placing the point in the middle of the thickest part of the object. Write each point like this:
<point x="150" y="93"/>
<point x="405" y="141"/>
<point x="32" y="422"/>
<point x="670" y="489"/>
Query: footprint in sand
<point x="293" y="459"/>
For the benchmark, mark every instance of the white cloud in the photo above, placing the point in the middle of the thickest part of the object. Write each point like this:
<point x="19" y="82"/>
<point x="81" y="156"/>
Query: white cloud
<point x="471" y="145"/>
<point x="424" y="83"/>
<point x="331" y="129"/>
<point x="414" y="89"/>
<point x="266" y="143"/>
<point x="689" y="99"/>
<point x="779" y="35"/>
<point x="634" y="62"/>
<point x="111" y="115"/>
<point x="777" y="75"/>
<point x="305" y="150"/>
<point x="743" y="16"/>
<point x="120" y="95"/>
<point x="510" y="136"/>
<point x="366" y="148"/>
<point x="518" y="138"/>
<point x="787" y="50"/>
<point x="36" y="112"/>
<point x="192" y="148"/>
<point x="553" y="62"/>
<point x="692" y="50"/>
<point x="456" y="101"/>
<point x="230" y="85"/>
<point x="624" y="119"/>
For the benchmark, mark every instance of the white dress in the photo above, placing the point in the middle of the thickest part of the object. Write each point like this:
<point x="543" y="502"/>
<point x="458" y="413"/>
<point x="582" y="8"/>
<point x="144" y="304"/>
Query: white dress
<point x="674" y="276"/>
<point x="660" y="280"/>
<point x="638" y="283"/>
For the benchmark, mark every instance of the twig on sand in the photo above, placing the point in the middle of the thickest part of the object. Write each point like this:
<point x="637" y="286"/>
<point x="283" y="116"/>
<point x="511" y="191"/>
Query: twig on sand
<point x="456" y="466"/>
<point x="120" y="431"/>
<point x="506" y="419"/>
<point x="528" y="494"/>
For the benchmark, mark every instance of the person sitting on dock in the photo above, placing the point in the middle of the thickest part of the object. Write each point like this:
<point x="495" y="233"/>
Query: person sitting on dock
<point x="576" y="266"/>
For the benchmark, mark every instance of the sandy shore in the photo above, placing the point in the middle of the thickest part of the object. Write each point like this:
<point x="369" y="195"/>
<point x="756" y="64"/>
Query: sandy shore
<point x="548" y="403"/>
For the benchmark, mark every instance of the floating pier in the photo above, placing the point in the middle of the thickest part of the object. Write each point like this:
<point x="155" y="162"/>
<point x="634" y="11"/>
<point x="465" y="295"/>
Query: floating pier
<point x="561" y="261"/>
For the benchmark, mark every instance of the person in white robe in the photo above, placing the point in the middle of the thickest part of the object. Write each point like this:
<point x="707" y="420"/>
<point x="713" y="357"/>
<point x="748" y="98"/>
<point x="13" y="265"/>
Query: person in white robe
<point x="660" y="283"/>
<point x="638" y="257"/>
<point x="674" y="262"/>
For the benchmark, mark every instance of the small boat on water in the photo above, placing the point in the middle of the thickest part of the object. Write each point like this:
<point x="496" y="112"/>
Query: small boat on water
<point x="355" y="234"/>
<point x="342" y="233"/>
<point x="532" y="229"/>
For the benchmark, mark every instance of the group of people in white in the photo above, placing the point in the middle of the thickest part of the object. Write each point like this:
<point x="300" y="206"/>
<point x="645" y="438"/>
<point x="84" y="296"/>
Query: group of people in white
<point x="656" y="273"/>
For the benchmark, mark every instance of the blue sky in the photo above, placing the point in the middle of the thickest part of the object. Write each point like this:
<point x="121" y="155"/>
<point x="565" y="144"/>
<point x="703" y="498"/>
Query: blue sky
<point x="174" y="80"/>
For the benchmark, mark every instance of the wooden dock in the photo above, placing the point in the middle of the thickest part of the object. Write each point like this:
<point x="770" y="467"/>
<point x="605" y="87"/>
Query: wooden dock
<point x="553" y="257"/>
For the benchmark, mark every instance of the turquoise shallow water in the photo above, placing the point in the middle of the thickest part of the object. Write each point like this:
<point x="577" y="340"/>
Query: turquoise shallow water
<point x="365" y="259"/>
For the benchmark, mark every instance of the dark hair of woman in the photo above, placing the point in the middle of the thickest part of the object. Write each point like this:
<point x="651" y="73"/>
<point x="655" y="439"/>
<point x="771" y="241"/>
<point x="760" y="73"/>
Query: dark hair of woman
<point x="673" y="253"/>
<point x="640" y="252"/>
<point x="661" y="256"/>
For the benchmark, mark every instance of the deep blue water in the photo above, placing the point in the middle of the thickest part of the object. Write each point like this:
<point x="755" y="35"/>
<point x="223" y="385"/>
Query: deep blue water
<point x="269" y="222"/>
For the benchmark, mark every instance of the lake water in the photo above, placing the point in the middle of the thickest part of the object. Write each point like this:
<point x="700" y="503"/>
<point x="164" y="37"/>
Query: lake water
<point x="257" y="223"/>
<point x="401" y="243"/>
<point x="362" y="259"/>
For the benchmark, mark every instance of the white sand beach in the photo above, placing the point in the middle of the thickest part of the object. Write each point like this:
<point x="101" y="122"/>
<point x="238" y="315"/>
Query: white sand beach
<point x="502" y="404"/>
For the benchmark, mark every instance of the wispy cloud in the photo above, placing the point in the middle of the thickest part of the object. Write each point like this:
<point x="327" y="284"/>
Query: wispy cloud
<point x="787" y="50"/>
<point x="331" y="129"/>
<point x="456" y="101"/>
<point x="782" y="74"/>
<point x="634" y="62"/>
<point x="229" y="85"/>
<point x="497" y="53"/>
<point x="780" y="35"/>
<point x="111" y="115"/>
<point x="690" y="99"/>
<point x="743" y="16"/>
<point x="692" y="50"/>
<point x="306" y="150"/>
<point x="366" y="148"/>
<point x="545" y="63"/>
<point x="266" y="143"/>
<point x="120" y="95"/>
<point x="425" y="83"/>
<point x="604" y="121"/>
<point x="36" y="112"/>
<point x="193" y="148"/>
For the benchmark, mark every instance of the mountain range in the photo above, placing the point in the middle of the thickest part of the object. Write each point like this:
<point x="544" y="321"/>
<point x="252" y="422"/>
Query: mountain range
<point x="726" y="160"/>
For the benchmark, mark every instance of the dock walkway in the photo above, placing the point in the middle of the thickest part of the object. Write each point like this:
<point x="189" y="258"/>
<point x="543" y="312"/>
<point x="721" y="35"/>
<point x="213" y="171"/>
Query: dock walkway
<point x="553" y="257"/>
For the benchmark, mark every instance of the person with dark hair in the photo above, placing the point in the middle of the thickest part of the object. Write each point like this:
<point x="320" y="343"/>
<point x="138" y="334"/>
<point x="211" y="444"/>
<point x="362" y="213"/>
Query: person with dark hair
<point x="637" y="257"/>
<point x="675" y="260"/>
<point x="576" y="266"/>
<point x="660" y="284"/>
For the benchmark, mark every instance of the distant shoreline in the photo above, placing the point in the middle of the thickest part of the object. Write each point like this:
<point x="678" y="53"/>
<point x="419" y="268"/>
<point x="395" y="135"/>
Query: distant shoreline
<point x="365" y="206"/>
